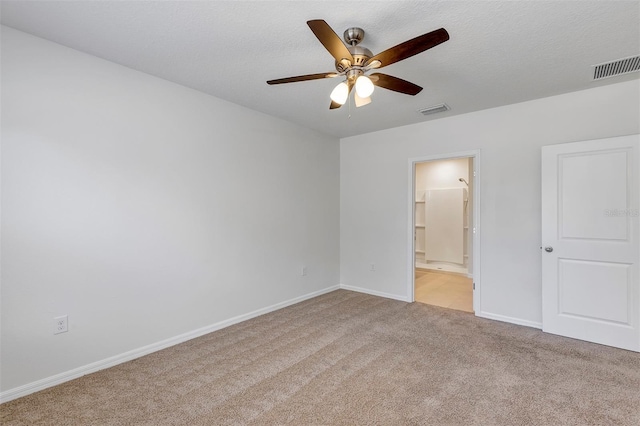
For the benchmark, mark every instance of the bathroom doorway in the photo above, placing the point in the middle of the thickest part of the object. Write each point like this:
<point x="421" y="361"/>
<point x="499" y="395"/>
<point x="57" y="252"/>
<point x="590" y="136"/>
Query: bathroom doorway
<point x="443" y="220"/>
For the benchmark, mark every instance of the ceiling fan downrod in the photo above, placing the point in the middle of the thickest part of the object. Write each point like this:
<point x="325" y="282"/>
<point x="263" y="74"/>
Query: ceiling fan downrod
<point x="353" y="36"/>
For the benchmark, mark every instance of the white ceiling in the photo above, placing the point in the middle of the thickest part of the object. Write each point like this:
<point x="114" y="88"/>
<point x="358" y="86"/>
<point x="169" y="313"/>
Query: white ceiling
<point x="500" y="52"/>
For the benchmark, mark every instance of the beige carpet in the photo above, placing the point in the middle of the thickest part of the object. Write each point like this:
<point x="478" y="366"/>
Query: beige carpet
<point x="346" y="358"/>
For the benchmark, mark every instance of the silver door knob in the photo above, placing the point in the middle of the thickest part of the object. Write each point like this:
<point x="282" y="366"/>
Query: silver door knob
<point x="548" y="249"/>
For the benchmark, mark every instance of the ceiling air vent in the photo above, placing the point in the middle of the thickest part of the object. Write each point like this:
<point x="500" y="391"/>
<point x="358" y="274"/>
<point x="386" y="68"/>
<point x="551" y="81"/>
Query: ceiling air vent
<point x="619" y="67"/>
<point x="434" y="109"/>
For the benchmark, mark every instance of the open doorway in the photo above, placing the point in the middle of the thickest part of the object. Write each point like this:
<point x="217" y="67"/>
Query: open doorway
<point x="443" y="242"/>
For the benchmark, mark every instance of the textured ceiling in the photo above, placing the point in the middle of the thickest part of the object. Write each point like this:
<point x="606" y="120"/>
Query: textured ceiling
<point x="500" y="52"/>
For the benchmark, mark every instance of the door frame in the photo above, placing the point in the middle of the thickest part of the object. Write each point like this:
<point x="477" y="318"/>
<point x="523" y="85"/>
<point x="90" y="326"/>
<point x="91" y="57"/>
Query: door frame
<point x="475" y="231"/>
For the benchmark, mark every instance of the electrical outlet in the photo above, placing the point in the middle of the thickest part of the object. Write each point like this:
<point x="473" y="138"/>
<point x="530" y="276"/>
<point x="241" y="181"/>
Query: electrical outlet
<point x="303" y="271"/>
<point x="373" y="267"/>
<point x="61" y="324"/>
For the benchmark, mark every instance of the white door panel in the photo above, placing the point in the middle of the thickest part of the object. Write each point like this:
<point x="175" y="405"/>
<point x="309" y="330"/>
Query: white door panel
<point x="590" y="208"/>
<point x="589" y="182"/>
<point x="596" y="290"/>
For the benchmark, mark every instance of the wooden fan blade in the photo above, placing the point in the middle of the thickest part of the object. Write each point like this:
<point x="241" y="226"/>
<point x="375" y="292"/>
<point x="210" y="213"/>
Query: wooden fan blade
<point x="330" y="40"/>
<point x="394" y="83"/>
<point x="303" y="78"/>
<point x="411" y="47"/>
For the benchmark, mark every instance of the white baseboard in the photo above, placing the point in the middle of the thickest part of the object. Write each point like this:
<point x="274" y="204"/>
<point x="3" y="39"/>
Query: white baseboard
<point x="374" y="292"/>
<point x="57" y="379"/>
<point x="512" y="320"/>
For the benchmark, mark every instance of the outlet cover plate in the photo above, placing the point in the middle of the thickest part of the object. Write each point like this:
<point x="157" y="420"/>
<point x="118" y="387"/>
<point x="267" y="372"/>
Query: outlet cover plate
<point x="61" y="324"/>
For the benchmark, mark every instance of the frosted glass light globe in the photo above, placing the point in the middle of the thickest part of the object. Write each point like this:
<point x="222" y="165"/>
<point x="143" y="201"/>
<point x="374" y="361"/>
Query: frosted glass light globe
<point x="340" y="93"/>
<point x="364" y="86"/>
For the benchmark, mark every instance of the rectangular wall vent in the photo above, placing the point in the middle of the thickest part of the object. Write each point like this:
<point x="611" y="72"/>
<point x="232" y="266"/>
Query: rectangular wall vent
<point x="434" y="109"/>
<point x="619" y="67"/>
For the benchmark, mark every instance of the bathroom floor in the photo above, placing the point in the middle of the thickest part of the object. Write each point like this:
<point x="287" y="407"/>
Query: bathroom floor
<point x="448" y="290"/>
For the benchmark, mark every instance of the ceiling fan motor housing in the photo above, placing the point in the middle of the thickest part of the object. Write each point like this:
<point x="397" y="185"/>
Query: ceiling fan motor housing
<point x="353" y="36"/>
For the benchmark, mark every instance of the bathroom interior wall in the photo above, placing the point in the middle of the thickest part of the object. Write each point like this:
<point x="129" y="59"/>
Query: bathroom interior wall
<point x="438" y="175"/>
<point x="442" y="174"/>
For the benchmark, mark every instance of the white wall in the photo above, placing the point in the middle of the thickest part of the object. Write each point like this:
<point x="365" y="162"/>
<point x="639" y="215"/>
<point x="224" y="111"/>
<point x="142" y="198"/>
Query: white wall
<point x="132" y="204"/>
<point x="374" y="190"/>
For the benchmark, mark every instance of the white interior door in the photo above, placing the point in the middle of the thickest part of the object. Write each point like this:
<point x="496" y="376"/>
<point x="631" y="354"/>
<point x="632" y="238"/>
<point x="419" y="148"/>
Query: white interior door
<point x="591" y="241"/>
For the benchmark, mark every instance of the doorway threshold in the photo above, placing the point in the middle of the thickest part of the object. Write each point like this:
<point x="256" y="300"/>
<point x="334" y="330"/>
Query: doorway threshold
<point x="443" y="267"/>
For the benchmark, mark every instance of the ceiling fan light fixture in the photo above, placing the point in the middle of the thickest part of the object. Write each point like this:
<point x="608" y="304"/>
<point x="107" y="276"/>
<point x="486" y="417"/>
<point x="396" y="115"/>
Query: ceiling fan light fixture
<point x="364" y="86"/>
<point x="340" y="93"/>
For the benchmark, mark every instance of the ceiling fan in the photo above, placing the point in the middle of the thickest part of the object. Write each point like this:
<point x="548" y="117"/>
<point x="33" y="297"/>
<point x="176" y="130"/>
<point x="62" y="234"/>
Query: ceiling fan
<point x="354" y="62"/>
